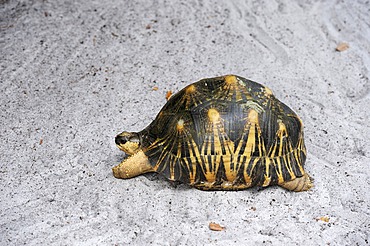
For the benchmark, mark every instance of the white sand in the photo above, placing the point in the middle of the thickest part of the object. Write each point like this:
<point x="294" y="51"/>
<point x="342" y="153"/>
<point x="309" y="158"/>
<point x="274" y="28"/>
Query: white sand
<point x="74" y="74"/>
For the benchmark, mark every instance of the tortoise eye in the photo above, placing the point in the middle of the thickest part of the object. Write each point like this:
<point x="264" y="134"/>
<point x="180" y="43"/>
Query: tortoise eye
<point x="125" y="137"/>
<point x="120" y="140"/>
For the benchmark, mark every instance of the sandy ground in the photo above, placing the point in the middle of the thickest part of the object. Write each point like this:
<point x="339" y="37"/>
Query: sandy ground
<point x="76" y="73"/>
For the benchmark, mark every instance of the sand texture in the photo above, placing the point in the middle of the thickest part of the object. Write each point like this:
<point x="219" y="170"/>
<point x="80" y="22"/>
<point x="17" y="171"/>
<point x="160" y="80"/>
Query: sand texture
<point x="73" y="74"/>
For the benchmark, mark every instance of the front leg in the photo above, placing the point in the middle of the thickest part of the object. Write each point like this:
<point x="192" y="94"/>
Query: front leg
<point x="133" y="166"/>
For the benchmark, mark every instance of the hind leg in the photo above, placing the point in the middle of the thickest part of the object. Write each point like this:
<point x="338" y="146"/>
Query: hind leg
<point x="299" y="184"/>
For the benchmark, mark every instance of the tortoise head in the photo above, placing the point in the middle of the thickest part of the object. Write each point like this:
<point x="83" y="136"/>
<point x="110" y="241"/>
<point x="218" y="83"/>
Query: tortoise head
<point x="129" y="142"/>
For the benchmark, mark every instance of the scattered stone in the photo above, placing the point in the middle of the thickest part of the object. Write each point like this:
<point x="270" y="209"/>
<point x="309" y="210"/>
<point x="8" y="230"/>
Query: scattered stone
<point x="342" y="47"/>
<point x="216" y="227"/>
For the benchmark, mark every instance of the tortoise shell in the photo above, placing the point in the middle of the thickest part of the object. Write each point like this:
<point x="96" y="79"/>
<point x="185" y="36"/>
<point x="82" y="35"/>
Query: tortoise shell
<point x="223" y="133"/>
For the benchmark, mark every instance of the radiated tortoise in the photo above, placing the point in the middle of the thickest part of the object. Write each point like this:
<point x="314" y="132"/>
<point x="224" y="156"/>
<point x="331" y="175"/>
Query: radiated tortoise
<point x="223" y="133"/>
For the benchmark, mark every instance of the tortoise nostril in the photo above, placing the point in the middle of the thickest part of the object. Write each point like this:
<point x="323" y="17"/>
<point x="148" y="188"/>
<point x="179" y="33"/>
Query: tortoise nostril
<point x="120" y="140"/>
